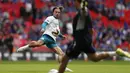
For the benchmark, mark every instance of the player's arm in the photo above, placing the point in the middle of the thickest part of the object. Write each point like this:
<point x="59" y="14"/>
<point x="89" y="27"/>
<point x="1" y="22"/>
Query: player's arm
<point x="62" y="36"/>
<point x="44" y="24"/>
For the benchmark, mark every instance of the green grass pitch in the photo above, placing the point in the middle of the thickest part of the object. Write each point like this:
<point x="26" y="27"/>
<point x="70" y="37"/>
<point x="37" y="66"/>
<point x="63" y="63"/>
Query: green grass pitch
<point x="77" y="66"/>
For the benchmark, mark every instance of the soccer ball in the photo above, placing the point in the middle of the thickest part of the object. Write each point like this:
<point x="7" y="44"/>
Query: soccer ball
<point x="53" y="71"/>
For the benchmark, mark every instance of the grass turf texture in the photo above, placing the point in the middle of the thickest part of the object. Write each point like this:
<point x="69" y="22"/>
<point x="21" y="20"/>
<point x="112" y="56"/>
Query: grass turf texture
<point x="77" y="66"/>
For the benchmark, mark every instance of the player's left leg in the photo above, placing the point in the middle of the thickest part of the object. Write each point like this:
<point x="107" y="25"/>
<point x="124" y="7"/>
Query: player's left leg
<point x="59" y="52"/>
<point x="60" y="56"/>
<point x="63" y="64"/>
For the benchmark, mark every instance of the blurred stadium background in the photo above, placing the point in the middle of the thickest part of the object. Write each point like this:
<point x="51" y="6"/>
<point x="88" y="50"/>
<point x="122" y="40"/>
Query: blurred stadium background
<point x="20" y="22"/>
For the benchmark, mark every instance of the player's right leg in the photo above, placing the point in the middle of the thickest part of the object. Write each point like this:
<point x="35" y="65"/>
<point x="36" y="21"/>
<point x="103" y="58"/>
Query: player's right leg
<point x="38" y="43"/>
<point x="30" y="45"/>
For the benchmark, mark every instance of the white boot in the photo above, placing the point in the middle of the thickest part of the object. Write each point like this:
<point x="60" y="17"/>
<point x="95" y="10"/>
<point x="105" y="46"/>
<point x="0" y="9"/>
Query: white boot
<point x="26" y="47"/>
<point x="68" y="70"/>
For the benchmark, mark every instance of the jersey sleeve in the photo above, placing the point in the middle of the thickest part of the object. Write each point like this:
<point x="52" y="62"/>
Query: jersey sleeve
<point x="44" y="24"/>
<point x="48" y="19"/>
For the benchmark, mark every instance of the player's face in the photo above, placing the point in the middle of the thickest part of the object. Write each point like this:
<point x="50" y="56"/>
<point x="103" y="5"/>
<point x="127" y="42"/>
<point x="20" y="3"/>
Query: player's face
<point x="56" y="13"/>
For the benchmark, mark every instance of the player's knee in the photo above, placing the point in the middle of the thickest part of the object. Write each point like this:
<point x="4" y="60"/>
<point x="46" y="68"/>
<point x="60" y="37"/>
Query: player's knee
<point x="61" y="54"/>
<point x="34" y="43"/>
<point x="60" y="57"/>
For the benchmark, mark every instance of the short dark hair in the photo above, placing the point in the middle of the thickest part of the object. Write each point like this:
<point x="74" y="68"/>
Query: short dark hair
<point x="58" y="7"/>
